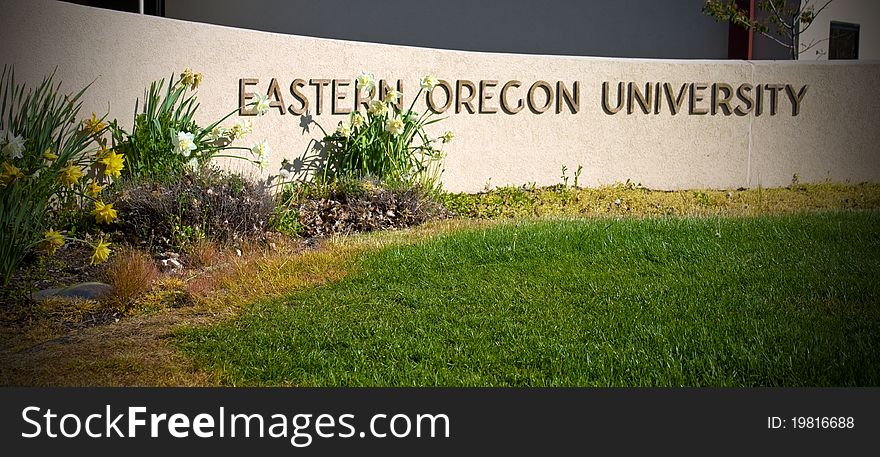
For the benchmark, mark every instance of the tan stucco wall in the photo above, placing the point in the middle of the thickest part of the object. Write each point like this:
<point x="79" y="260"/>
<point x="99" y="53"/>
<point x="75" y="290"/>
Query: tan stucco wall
<point x="834" y="137"/>
<point x="866" y="13"/>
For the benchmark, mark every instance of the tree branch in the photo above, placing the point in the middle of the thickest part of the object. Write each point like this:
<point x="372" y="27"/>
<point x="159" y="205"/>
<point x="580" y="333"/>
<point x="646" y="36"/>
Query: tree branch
<point x="778" y="16"/>
<point x="787" y="46"/>
<point x="814" y="16"/>
<point x="813" y="44"/>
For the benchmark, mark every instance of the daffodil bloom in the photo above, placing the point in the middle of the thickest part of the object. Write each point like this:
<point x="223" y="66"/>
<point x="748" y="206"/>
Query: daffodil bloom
<point x="366" y="82"/>
<point x="343" y="131"/>
<point x="394" y="125"/>
<point x="70" y="175"/>
<point x="10" y="173"/>
<point x="11" y="170"/>
<point x="447" y="137"/>
<point x="216" y="133"/>
<point x="187" y="77"/>
<point x="197" y="81"/>
<point x="241" y="128"/>
<point x="102" y="252"/>
<point x="262" y="105"/>
<point x="193" y="163"/>
<point x="185" y="143"/>
<point x="391" y="96"/>
<point x="52" y="241"/>
<point x="377" y="108"/>
<point x="113" y="164"/>
<point x="94" y="189"/>
<point x="14" y="147"/>
<point x="104" y="213"/>
<point x="357" y="120"/>
<point x="94" y="125"/>
<point x="47" y="155"/>
<point x="261" y="150"/>
<point x="428" y="82"/>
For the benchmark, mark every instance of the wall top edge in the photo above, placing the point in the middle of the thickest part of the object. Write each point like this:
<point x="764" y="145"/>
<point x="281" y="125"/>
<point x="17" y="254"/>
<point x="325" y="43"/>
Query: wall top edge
<point x="38" y="5"/>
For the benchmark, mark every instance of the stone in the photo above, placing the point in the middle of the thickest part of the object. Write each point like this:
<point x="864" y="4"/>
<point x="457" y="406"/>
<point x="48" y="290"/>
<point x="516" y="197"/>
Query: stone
<point x="170" y="264"/>
<point x="85" y="291"/>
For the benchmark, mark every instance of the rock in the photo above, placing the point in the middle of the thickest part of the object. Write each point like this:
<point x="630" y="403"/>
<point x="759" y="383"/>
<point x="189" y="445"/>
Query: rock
<point x="85" y="291"/>
<point x="170" y="264"/>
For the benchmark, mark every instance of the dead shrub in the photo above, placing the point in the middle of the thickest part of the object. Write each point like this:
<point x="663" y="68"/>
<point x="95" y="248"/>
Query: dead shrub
<point x="366" y="207"/>
<point x="210" y="204"/>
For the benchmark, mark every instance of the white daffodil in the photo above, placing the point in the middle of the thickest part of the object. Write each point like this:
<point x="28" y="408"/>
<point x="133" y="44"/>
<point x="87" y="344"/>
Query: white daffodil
<point x="241" y="128"/>
<point x="428" y="82"/>
<point x="394" y="125"/>
<point x="343" y="131"/>
<point x="447" y="137"/>
<point x="377" y="108"/>
<point x="391" y="96"/>
<point x="216" y="133"/>
<point x="14" y="146"/>
<point x="261" y="150"/>
<point x="193" y="163"/>
<point x="262" y="105"/>
<point x="357" y="120"/>
<point x="366" y="82"/>
<point x="185" y="143"/>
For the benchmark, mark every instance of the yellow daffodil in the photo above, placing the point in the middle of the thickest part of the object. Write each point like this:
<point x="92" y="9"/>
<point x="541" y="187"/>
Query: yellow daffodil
<point x="70" y="175"/>
<point x="94" y="189"/>
<point x="187" y="77"/>
<point x="197" y="81"/>
<point x="104" y="213"/>
<point x="47" y="154"/>
<point x="94" y="125"/>
<point x="10" y="172"/>
<point x="52" y="240"/>
<point x="113" y="164"/>
<point x="102" y="252"/>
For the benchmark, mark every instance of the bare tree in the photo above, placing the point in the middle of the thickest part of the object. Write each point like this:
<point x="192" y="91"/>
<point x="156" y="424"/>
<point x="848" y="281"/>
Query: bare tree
<point x="783" y="23"/>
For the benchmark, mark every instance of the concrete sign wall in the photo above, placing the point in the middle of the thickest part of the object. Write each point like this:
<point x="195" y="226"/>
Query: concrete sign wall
<point x="667" y="124"/>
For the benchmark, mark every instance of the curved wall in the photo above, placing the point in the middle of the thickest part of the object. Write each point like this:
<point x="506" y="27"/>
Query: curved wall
<point x="834" y="135"/>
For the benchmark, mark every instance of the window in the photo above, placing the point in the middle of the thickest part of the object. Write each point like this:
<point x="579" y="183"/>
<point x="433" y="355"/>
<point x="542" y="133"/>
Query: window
<point x="843" y="42"/>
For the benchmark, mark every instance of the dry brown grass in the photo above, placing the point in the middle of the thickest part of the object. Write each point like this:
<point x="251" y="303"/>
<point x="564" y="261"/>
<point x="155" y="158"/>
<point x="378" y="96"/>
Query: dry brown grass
<point x="136" y="350"/>
<point x="131" y="272"/>
<point x="203" y="253"/>
<point x="131" y="352"/>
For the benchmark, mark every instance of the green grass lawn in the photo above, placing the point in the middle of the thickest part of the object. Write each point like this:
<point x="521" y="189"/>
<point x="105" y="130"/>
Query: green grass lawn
<point x="763" y="301"/>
